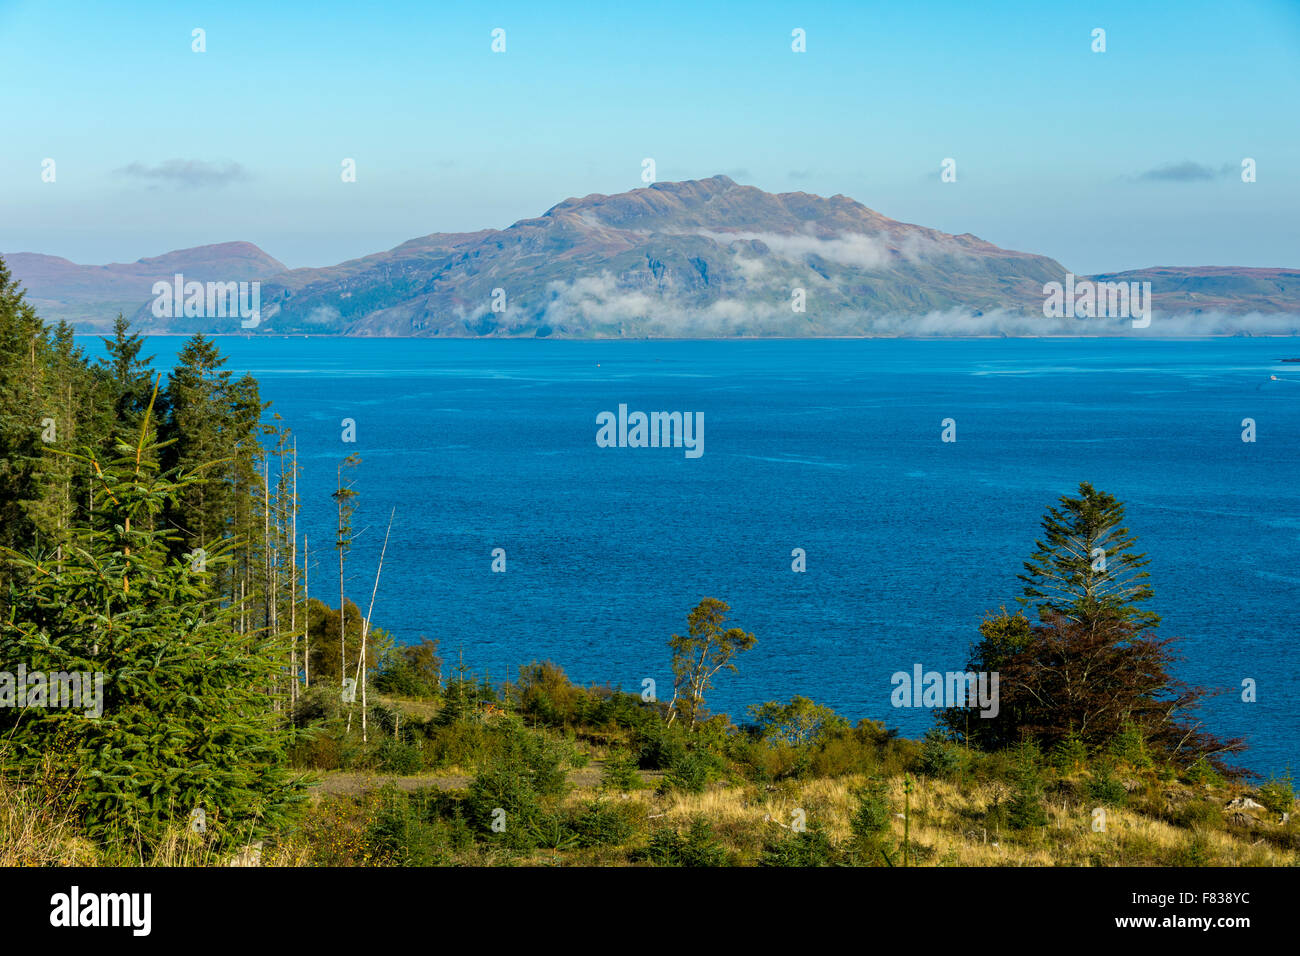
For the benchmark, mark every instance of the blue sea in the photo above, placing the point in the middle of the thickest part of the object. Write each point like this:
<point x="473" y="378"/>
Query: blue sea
<point x="829" y="446"/>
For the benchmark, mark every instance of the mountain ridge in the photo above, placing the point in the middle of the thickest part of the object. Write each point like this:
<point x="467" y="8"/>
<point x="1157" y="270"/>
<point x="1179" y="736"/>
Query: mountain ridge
<point x="707" y="257"/>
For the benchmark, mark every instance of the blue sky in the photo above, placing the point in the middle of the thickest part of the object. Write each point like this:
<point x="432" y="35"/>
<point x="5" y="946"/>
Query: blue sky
<point x="1104" y="161"/>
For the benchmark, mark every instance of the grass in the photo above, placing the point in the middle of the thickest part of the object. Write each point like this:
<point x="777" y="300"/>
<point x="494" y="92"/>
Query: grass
<point x="979" y="810"/>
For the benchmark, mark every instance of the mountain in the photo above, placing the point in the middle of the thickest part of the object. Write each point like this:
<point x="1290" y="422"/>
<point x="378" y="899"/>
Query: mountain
<point x="704" y="257"/>
<point x="1181" y="289"/>
<point x="90" y="297"/>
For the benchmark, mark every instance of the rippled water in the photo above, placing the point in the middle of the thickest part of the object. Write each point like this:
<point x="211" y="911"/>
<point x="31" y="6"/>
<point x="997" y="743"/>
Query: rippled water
<point x="829" y="446"/>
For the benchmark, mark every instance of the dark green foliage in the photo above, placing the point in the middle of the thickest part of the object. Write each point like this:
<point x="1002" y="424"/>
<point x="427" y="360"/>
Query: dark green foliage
<point x="1105" y="788"/>
<point x="874" y="813"/>
<point x="1202" y="771"/>
<point x="940" y="757"/>
<point x="397" y="757"/>
<point x="691" y="772"/>
<point x="1278" y="795"/>
<point x="1026" y="807"/>
<point x="809" y="847"/>
<point x="413" y="671"/>
<point x="1083" y="569"/>
<point x="525" y="769"/>
<point x="551" y="831"/>
<point x="323" y="625"/>
<point x="186" y="719"/>
<point x="544" y="695"/>
<point x="602" y="823"/>
<point x="465" y="697"/>
<point x="1087" y="586"/>
<point x="399" y="835"/>
<point x="1129" y="746"/>
<point x="660" y="747"/>
<point x="620" y="772"/>
<point x="694" y="849"/>
<point x="1069" y="754"/>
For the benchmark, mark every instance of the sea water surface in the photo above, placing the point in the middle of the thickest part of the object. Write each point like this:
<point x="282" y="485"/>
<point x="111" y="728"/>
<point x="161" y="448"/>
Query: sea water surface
<point x="829" y="446"/>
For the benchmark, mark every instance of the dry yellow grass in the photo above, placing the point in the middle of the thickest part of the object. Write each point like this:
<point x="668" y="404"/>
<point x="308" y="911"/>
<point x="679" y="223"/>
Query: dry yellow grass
<point x="941" y="814"/>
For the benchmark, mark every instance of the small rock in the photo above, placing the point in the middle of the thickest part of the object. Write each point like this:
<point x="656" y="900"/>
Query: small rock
<point x="1244" y="803"/>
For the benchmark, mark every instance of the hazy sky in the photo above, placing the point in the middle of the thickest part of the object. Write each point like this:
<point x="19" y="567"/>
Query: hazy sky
<point x="1104" y="161"/>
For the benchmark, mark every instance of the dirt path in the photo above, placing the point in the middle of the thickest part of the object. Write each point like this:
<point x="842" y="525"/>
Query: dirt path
<point x="353" y="783"/>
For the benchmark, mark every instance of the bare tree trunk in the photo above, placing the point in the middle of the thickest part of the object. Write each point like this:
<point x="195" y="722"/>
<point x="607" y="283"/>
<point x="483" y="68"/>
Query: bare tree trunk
<point x="306" y="615"/>
<point x="365" y="629"/>
<point x="293" y="577"/>
<point x="343" y="650"/>
<point x="268" y="603"/>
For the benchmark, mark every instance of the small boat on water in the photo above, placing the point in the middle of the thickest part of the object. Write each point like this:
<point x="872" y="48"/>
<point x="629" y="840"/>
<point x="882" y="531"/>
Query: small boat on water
<point x="1291" y="360"/>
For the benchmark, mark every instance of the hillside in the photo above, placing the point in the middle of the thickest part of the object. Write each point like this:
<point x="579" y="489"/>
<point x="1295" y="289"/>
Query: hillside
<point x="707" y="257"/>
<point x="90" y="296"/>
<point x="702" y="258"/>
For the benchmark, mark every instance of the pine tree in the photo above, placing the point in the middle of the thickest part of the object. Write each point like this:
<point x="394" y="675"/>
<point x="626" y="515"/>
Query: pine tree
<point x="129" y="379"/>
<point x="1083" y="569"/>
<point x="185" y="722"/>
<point x="24" y="350"/>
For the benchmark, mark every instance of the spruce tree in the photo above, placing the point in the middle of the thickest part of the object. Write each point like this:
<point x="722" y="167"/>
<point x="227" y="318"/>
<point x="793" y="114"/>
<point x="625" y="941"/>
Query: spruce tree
<point x="1083" y="569"/>
<point x="186" y="719"/>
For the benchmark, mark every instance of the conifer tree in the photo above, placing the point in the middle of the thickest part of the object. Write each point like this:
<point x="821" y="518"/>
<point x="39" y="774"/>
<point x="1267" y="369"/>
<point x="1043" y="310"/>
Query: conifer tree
<point x="185" y="719"/>
<point x="1083" y="569"/>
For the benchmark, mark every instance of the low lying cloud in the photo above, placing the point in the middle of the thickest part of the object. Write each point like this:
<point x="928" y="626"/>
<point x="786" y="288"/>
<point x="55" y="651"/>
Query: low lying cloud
<point x="852" y="249"/>
<point x="187" y="173"/>
<point x="598" y="305"/>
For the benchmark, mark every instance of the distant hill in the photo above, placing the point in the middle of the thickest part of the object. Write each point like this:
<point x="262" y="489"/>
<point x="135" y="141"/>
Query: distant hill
<point x="699" y="258"/>
<point x="1197" y="289"/>
<point x="90" y="297"/>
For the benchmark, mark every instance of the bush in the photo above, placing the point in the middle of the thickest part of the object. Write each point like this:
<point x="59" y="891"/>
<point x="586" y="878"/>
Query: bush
<point x="1130" y="747"/>
<point x="697" y="848"/>
<point x="1202" y="772"/>
<point x="1278" y="795"/>
<point x="940" y="757"/>
<point x="874" y="812"/>
<point x="414" y="671"/>
<point x="1196" y="815"/>
<point x="1070" y="754"/>
<point x="811" y="847"/>
<point x="866" y="748"/>
<point x="603" y="824"/>
<point x="762" y="762"/>
<point x="1025" y="809"/>
<point x="1104" y="788"/>
<point x="619" y="772"/>
<point x="400" y="758"/>
<point x="397" y="836"/>
<point x="691" y="772"/>
<point x="503" y="805"/>
<point x="659" y="747"/>
<point x="551" y="831"/>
